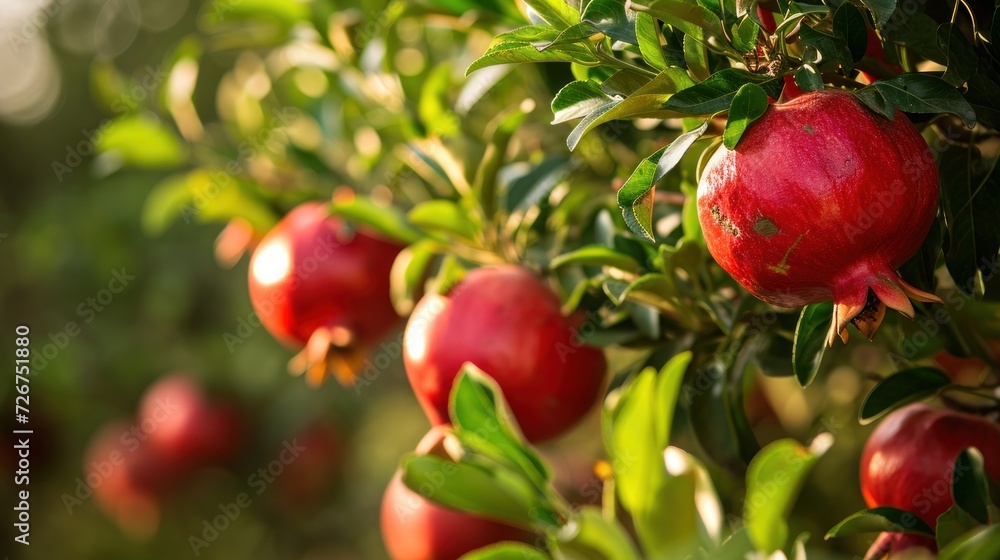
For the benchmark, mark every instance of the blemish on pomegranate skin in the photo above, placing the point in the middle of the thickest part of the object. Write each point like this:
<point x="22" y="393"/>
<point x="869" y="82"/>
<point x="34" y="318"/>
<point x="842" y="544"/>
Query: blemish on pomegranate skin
<point x="765" y="227"/>
<point x="782" y="267"/>
<point x="724" y="221"/>
<point x="808" y="129"/>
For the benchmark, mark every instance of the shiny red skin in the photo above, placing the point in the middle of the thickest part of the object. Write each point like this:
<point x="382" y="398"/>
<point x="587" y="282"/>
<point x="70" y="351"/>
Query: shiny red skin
<point x="312" y="271"/>
<point x="413" y="528"/>
<point x="820" y="199"/>
<point x="184" y="426"/>
<point x="908" y="459"/>
<point x="890" y="546"/>
<point x="507" y="322"/>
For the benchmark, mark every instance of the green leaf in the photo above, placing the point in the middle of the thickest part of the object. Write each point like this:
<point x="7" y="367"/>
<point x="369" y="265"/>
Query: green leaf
<point x="849" y="26"/>
<point x="716" y="93"/>
<point x="687" y="17"/>
<point x="386" y="220"/>
<point x="808" y="77"/>
<point x="529" y="189"/>
<point x="596" y="255"/>
<point x="832" y="47"/>
<point x="960" y="56"/>
<point x="484" y="423"/>
<point x="506" y="551"/>
<point x="409" y="270"/>
<point x="984" y="97"/>
<point x="774" y="478"/>
<point x="624" y="82"/>
<point x="878" y="520"/>
<point x="952" y="524"/>
<point x="978" y="544"/>
<point x="596" y="537"/>
<point x="745" y="35"/>
<point x="748" y="105"/>
<point x="612" y="19"/>
<point x="647" y="101"/>
<point x="445" y="216"/>
<point x="578" y="99"/>
<point x="529" y="34"/>
<point x="205" y="195"/>
<point x="142" y="141"/>
<point x="921" y="93"/>
<point x="970" y="187"/>
<point x="636" y="196"/>
<point x="970" y="485"/>
<point x="577" y="33"/>
<point x="810" y="341"/>
<point x="903" y="388"/>
<point x="556" y="12"/>
<point x="476" y="489"/>
<point x="647" y="33"/>
<point x="696" y="56"/>
<point x="881" y="9"/>
<point x="513" y="52"/>
<point x="640" y="432"/>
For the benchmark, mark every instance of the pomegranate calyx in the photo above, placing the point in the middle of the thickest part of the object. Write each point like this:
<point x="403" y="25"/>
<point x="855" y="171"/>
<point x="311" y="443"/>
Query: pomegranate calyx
<point x="329" y="351"/>
<point x="869" y="319"/>
<point x="881" y="288"/>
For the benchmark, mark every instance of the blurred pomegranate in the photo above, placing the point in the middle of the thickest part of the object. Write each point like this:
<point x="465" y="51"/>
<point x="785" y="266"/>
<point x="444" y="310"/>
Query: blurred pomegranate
<point x="180" y="421"/>
<point x="128" y="478"/>
<point x="308" y="480"/>
<point x="317" y="283"/>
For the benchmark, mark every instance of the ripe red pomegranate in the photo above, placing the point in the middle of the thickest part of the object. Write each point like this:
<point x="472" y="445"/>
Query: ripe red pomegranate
<point x="128" y="478"/>
<point x="891" y="546"/>
<point x="506" y="321"/>
<point x="182" y="424"/>
<point x="414" y="528"/>
<point x="822" y="199"/>
<point x="316" y="282"/>
<point x="908" y="460"/>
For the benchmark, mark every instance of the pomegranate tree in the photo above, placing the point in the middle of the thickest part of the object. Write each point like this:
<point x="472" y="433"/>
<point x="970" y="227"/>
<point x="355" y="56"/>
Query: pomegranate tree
<point x="317" y="283"/>
<point x="507" y="322"/>
<point x="822" y="199"/>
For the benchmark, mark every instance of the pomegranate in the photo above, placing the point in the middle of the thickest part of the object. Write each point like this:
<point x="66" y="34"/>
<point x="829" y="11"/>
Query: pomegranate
<point x="128" y="478"/>
<point x="506" y="321"/>
<point x="414" y="528"/>
<point x="822" y="199"/>
<point x="908" y="460"/>
<point x="317" y="283"/>
<point x="890" y="546"/>
<point x="182" y="424"/>
<point x="308" y="480"/>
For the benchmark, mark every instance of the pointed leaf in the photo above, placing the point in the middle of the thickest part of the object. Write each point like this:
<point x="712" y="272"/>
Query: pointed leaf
<point x="878" y="520"/>
<point x="923" y="93"/>
<point x="970" y="485"/>
<point x="748" y="105"/>
<point x="596" y="255"/>
<point x="810" y="341"/>
<point x="774" y="478"/>
<point x="881" y="9"/>
<point x="716" y="93"/>
<point x="903" y="388"/>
